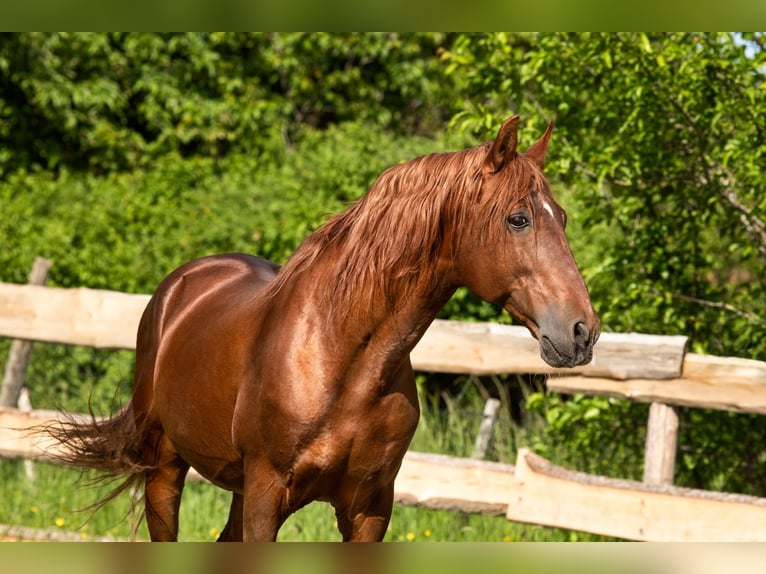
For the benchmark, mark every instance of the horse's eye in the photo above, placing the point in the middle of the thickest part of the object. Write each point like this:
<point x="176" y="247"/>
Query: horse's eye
<point x="518" y="221"/>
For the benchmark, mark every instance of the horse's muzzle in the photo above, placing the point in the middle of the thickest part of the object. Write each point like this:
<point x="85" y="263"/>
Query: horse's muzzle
<point x="572" y="350"/>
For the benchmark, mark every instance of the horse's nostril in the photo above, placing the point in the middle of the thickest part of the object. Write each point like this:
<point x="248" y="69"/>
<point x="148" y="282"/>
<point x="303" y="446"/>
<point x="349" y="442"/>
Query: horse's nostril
<point x="581" y="334"/>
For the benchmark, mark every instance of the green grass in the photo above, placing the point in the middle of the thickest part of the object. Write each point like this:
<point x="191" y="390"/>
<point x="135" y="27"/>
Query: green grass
<point x="448" y="425"/>
<point x="51" y="501"/>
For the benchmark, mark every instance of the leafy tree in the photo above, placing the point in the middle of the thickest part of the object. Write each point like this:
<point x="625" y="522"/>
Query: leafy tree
<point x="660" y="148"/>
<point x="121" y="100"/>
<point x="661" y="137"/>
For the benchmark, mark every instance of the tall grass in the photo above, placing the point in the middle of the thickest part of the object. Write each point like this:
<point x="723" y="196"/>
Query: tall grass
<point x="449" y="423"/>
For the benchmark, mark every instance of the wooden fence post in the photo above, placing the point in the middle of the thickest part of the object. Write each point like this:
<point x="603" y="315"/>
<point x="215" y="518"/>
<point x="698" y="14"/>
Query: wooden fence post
<point x="488" y="418"/>
<point x="25" y="406"/>
<point x="18" y="357"/>
<point x="661" y="442"/>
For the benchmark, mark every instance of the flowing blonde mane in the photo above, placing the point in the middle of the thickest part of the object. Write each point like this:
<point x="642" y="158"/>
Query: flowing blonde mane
<point x="394" y="233"/>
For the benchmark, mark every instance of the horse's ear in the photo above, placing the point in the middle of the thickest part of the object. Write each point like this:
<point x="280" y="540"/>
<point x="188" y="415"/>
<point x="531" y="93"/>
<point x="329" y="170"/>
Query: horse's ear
<point x="537" y="150"/>
<point x="503" y="148"/>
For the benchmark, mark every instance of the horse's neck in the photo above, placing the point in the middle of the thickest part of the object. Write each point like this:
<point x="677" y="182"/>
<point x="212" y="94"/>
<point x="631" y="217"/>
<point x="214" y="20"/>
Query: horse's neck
<point x="372" y="330"/>
<point x="399" y="331"/>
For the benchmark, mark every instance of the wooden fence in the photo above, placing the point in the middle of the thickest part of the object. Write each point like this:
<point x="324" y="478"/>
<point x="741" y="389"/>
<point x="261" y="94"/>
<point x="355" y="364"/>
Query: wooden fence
<point x="639" y="367"/>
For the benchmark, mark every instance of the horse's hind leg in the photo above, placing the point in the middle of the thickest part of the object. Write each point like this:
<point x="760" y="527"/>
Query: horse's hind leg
<point x="232" y="532"/>
<point x="164" y="486"/>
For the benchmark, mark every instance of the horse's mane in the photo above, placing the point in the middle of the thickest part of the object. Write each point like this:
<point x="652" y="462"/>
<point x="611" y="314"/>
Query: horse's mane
<point x="389" y="236"/>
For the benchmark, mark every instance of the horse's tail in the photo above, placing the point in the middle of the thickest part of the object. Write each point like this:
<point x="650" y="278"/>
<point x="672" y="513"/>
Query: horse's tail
<point x="112" y="446"/>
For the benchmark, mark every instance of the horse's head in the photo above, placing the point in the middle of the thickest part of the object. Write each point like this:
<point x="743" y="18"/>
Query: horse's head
<point x="514" y="251"/>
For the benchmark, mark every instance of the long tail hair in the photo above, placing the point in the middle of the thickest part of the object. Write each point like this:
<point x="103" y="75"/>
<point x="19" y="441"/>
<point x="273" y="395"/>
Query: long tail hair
<point x="112" y="446"/>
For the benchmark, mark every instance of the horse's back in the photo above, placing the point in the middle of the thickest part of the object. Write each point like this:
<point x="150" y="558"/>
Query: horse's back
<point x="188" y="292"/>
<point x="194" y="282"/>
<point x="201" y="277"/>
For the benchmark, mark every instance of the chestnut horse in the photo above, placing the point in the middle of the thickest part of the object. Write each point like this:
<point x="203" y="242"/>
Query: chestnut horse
<point x="294" y="384"/>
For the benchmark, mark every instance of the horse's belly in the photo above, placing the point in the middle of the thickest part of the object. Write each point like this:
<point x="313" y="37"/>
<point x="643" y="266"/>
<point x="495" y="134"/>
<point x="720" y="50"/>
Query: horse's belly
<point x="227" y="475"/>
<point x="210" y="454"/>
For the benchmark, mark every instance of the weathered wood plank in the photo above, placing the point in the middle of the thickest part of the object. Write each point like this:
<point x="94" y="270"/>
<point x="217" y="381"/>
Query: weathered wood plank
<point x="488" y="419"/>
<point x="15" y="440"/>
<point x="707" y="383"/>
<point x="552" y="496"/>
<point x="448" y="483"/>
<point x="87" y="317"/>
<point x="489" y="348"/>
<point x="108" y="319"/>
<point x="724" y="370"/>
<point x="10" y="533"/>
<point x="682" y="392"/>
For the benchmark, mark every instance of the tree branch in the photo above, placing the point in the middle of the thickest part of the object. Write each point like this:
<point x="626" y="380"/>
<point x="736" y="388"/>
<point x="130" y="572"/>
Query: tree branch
<point x="714" y="305"/>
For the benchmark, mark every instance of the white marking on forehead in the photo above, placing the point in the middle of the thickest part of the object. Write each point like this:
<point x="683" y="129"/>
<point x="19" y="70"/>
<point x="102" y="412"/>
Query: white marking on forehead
<point x="548" y="208"/>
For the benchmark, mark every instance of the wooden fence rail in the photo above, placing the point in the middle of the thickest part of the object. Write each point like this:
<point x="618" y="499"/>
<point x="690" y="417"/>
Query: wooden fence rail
<point x="534" y="491"/>
<point x="108" y="319"/>
<point x="649" y="368"/>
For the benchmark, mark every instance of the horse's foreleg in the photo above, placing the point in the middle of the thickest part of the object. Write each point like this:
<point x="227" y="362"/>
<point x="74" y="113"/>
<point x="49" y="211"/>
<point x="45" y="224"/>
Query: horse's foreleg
<point x="264" y="503"/>
<point x="232" y="532"/>
<point x="365" y="519"/>
<point x="164" y="486"/>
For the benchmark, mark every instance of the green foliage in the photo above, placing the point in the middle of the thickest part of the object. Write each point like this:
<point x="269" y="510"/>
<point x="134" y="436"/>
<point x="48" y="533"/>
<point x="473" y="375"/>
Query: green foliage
<point x="117" y="101"/>
<point x="659" y="137"/>
<point x="126" y="230"/>
<point x="720" y="450"/>
<point x="658" y="153"/>
<point x="593" y="434"/>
